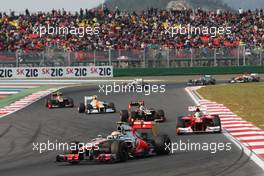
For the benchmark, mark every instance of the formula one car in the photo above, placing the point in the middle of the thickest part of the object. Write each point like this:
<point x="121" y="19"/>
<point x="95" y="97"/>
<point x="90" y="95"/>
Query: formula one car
<point x="139" y="82"/>
<point x="92" y="105"/>
<point x="121" y="145"/>
<point x="197" y="122"/>
<point x="57" y="100"/>
<point x="205" y="80"/>
<point x="253" y="77"/>
<point x="138" y="111"/>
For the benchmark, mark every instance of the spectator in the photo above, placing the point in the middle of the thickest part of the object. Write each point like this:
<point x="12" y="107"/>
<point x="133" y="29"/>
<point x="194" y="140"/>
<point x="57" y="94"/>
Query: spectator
<point x="130" y="31"/>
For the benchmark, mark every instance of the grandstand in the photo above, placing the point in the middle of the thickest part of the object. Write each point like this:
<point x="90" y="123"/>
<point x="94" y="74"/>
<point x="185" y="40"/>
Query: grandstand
<point x="137" y="36"/>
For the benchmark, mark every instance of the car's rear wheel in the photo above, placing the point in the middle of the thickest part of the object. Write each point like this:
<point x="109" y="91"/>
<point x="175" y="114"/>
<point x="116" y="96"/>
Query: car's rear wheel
<point x="81" y="108"/>
<point x="120" y="149"/>
<point x="124" y="116"/>
<point x="112" y="106"/>
<point x="161" y="115"/>
<point x="217" y="122"/>
<point x="162" y="144"/>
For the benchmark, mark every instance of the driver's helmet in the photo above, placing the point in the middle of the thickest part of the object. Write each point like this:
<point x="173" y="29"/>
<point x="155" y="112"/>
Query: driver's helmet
<point x="94" y="97"/>
<point x="59" y="94"/>
<point x="198" y="109"/>
<point x="116" y="134"/>
<point x="197" y="114"/>
<point x="141" y="103"/>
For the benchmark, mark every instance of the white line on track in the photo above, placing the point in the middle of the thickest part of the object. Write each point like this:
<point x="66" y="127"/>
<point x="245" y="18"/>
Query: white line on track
<point x="231" y="117"/>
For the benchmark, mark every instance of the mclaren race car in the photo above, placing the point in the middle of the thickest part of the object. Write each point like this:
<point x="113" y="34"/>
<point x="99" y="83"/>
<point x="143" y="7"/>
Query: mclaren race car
<point x="253" y="77"/>
<point x="57" y="100"/>
<point x="92" y="105"/>
<point x="205" y="80"/>
<point x="138" y="111"/>
<point x="121" y="145"/>
<point x="197" y="122"/>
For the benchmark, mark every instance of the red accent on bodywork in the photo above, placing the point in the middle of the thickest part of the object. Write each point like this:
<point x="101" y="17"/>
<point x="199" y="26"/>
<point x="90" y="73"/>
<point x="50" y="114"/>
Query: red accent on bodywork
<point x="71" y="157"/>
<point x="104" y="157"/>
<point x="141" y="146"/>
<point x="138" y="124"/>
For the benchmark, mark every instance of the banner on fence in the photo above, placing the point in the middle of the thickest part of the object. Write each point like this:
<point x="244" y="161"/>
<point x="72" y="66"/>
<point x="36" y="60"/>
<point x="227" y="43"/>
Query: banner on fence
<point x="57" y="72"/>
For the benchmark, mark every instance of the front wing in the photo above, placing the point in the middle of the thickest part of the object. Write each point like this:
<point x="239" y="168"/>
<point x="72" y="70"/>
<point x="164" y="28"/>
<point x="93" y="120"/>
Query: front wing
<point x="208" y="129"/>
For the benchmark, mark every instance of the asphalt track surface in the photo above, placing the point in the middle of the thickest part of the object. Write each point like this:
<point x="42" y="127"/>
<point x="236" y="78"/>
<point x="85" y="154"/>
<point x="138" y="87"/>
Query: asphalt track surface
<point x="38" y="124"/>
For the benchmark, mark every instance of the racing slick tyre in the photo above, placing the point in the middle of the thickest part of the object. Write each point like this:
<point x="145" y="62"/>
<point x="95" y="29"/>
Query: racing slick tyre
<point x="81" y="108"/>
<point x="161" y="115"/>
<point x="121" y="150"/>
<point x="217" y="122"/>
<point x="112" y="106"/>
<point x="162" y="144"/>
<point x="124" y="116"/>
<point x="179" y="124"/>
<point x="213" y="82"/>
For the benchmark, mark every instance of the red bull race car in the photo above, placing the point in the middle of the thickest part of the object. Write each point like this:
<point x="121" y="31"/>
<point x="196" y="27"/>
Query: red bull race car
<point x="198" y="121"/>
<point x="138" y="111"/>
<point x="123" y="144"/>
<point x="57" y="100"/>
<point x="92" y="105"/>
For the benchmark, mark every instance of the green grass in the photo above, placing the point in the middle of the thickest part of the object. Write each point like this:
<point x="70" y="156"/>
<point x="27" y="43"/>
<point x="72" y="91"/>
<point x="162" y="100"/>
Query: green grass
<point x="12" y="98"/>
<point x="246" y="100"/>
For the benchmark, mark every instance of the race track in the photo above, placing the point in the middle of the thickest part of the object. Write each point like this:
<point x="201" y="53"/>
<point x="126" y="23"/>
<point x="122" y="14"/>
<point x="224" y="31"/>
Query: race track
<point x="38" y="124"/>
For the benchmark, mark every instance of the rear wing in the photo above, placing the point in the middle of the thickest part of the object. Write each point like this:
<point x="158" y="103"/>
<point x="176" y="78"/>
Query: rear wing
<point x="153" y="126"/>
<point x="139" y="124"/>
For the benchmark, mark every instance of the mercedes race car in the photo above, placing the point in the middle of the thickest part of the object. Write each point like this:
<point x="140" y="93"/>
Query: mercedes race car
<point x="92" y="105"/>
<point x="57" y="100"/>
<point x="139" y="82"/>
<point x="138" y="111"/>
<point x="198" y="121"/>
<point x="205" y="80"/>
<point x="123" y="144"/>
<point x="253" y="77"/>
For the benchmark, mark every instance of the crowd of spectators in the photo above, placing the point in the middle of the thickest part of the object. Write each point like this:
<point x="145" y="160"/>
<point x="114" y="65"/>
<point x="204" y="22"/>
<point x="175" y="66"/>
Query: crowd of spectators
<point x="123" y="30"/>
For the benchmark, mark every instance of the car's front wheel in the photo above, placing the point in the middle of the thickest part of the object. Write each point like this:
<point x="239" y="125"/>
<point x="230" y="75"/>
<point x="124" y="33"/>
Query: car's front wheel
<point x="81" y="108"/>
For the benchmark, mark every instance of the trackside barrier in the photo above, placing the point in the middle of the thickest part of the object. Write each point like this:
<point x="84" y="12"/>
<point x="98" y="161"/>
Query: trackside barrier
<point x="187" y="71"/>
<point x="56" y="72"/>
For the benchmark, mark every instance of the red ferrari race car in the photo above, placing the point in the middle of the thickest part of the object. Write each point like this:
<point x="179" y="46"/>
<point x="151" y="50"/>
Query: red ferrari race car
<point x="198" y="121"/>
<point x="123" y="144"/>
<point x="138" y="111"/>
<point x="57" y="100"/>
